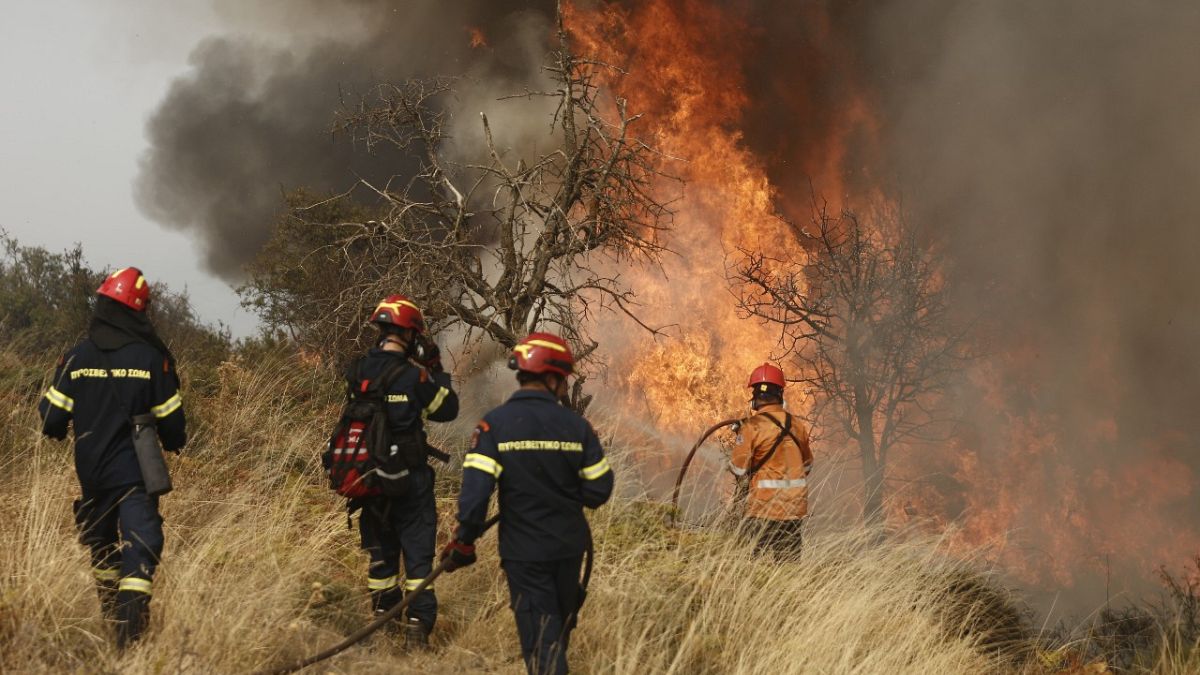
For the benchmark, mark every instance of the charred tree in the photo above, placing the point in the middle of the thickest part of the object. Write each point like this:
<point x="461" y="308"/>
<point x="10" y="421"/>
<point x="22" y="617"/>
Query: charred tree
<point x="866" y="316"/>
<point x="501" y="244"/>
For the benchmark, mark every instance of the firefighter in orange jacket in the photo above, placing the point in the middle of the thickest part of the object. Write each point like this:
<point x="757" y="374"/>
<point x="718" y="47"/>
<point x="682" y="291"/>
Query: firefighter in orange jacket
<point x="773" y="458"/>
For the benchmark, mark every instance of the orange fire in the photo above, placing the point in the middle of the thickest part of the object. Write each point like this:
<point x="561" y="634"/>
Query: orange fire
<point x="1008" y="483"/>
<point x="697" y="375"/>
<point x="478" y="39"/>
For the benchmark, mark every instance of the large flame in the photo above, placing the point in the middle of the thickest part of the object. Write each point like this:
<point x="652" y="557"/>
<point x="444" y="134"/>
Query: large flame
<point x="1005" y="483"/>
<point x="696" y="375"/>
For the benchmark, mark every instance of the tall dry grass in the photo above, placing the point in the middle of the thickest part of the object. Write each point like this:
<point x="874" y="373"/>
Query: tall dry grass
<point x="260" y="567"/>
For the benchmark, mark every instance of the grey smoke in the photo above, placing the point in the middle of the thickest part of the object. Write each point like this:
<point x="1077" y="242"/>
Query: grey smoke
<point x="252" y="118"/>
<point x="1054" y="149"/>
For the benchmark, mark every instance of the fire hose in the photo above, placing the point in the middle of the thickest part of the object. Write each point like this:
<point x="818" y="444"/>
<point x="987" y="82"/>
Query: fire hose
<point x="704" y="437"/>
<point x="361" y="634"/>
<point x="688" y="460"/>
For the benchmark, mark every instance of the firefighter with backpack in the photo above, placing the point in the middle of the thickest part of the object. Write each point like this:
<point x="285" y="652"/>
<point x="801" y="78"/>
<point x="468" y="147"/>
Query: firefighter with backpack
<point x="119" y="389"/>
<point x="378" y="459"/>
<point x="772" y="459"/>
<point x="548" y="465"/>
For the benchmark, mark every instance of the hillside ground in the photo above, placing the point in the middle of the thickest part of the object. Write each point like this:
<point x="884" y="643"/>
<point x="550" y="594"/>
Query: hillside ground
<point x="260" y="568"/>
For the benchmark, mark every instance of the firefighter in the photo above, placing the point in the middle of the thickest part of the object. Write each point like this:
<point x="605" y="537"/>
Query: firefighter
<point x="405" y="527"/>
<point x="548" y="464"/>
<point x="119" y="370"/>
<point x="772" y="459"/>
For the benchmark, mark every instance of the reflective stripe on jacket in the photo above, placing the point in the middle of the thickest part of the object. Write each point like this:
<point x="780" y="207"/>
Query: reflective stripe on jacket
<point x="779" y="489"/>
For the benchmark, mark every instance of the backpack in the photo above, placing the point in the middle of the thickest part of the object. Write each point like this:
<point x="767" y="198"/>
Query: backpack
<point x="364" y="458"/>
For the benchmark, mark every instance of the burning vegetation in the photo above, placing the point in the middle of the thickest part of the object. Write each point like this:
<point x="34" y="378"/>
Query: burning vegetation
<point x="1072" y="453"/>
<point x="1040" y="453"/>
<point x="1040" y="344"/>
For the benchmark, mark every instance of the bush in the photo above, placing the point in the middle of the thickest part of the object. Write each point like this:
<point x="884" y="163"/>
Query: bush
<point x="47" y="300"/>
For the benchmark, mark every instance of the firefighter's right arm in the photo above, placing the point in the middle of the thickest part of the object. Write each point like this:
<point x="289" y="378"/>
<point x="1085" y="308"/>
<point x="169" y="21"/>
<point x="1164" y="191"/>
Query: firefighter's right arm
<point x="481" y="472"/>
<point x="57" y="406"/>
<point x="168" y="407"/>
<point x="742" y="457"/>
<point x="806" y="450"/>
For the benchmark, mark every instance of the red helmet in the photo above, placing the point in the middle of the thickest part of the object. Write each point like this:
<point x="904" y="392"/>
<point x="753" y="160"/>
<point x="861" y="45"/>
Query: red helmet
<point x="764" y="375"/>
<point x="399" y="311"/>
<point x="128" y="287"/>
<point x="542" y="353"/>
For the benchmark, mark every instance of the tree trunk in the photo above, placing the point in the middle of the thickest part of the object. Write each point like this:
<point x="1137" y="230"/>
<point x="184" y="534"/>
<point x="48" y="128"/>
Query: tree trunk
<point x="873" y="484"/>
<point x="872" y="468"/>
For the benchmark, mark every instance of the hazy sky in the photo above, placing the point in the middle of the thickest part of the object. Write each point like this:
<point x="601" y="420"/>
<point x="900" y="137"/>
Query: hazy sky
<point x="79" y="78"/>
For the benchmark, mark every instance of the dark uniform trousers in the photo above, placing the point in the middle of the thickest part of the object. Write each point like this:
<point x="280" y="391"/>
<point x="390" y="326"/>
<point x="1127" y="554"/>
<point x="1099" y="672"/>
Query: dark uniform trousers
<point x="784" y="537"/>
<point x="399" y="528"/>
<point x="123" y="531"/>
<point x="544" y="596"/>
<point x="106" y="518"/>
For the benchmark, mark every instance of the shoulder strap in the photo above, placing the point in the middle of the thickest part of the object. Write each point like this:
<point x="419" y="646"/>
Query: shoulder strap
<point x="381" y="384"/>
<point x="391" y="371"/>
<point x="785" y="431"/>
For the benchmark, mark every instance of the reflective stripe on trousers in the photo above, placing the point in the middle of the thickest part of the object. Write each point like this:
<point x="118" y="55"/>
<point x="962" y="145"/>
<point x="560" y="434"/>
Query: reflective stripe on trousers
<point x="135" y="584"/>
<point x="410" y="585"/>
<point x="375" y="584"/>
<point x="781" y="484"/>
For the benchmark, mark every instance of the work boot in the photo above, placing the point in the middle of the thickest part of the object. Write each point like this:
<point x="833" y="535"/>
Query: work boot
<point x="416" y="635"/>
<point x="133" y="615"/>
<point x="108" y="600"/>
<point x="381" y="602"/>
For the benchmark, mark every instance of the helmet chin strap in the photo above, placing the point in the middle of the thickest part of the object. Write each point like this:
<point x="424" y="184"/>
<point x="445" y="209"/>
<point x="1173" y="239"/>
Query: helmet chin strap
<point x="406" y="347"/>
<point x="756" y="403"/>
<point x="553" y="391"/>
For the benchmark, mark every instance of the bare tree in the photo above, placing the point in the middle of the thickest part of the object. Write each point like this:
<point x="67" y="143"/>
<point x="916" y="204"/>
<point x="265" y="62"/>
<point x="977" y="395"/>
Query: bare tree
<point x="866" y="316"/>
<point x="503" y="244"/>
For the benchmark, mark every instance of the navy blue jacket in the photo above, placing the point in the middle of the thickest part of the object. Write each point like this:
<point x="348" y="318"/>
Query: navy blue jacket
<point x="83" y="392"/>
<point x="548" y="464"/>
<point x="416" y="395"/>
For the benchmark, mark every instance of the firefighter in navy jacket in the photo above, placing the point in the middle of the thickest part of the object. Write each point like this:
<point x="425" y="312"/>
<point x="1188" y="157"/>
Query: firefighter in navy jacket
<point x="121" y="369"/>
<point x="548" y="465"/>
<point x="405" y="527"/>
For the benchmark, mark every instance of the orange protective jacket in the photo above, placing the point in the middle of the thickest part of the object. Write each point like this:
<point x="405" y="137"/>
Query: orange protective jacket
<point x="779" y="489"/>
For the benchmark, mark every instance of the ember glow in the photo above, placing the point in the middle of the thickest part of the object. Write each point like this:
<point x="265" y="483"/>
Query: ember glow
<point x="478" y="39"/>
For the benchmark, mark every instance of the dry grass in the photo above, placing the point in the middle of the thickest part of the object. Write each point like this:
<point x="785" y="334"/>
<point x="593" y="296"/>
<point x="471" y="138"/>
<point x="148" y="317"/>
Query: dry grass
<point x="260" y="568"/>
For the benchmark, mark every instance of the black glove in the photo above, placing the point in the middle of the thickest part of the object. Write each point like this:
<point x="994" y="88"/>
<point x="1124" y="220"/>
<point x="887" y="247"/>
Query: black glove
<point x="456" y="555"/>
<point x="429" y="355"/>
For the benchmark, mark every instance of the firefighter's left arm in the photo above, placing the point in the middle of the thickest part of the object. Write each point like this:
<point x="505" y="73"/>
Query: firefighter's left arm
<point x="481" y="472"/>
<point x="436" y="397"/>
<point x="168" y="406"/>
<point x="57" y="406"/>
<point x="597" y="475"/>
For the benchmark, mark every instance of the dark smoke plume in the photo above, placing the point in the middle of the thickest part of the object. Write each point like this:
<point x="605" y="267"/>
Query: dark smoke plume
<point x="253" y="117"/>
